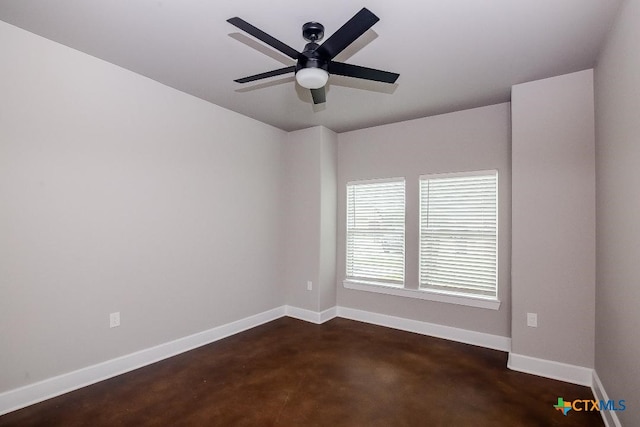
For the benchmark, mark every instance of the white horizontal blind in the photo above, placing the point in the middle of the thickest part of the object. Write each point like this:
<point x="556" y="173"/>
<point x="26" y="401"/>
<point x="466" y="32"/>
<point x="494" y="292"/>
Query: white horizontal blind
<point x="458" y="233"/>
<point x="375" y="231"/>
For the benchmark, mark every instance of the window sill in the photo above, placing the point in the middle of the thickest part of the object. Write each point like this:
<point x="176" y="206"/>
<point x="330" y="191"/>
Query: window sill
<point x="479" y="302"/>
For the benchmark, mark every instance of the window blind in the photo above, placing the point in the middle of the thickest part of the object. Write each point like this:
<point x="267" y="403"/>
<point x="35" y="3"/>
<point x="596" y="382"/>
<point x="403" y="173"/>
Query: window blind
<point x="375" y="231"/>
<point x="458" y="233"/>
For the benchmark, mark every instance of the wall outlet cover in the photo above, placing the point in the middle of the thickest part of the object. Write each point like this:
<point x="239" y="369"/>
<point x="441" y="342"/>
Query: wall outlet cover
<point x="532" y="320"/>
<point x="114" y="319"/>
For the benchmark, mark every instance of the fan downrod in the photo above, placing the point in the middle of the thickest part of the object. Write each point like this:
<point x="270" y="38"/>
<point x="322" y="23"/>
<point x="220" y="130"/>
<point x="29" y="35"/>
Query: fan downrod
<point x="313" y="31"/>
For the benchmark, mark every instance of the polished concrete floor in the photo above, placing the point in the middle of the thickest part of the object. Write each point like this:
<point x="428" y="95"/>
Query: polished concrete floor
<point x="341" y="373"/>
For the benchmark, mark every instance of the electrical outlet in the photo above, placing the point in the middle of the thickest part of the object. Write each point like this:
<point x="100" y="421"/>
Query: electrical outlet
<point x="532" y="320"/>
<point x="309" y="285"/>
<point x="114" y="319"/>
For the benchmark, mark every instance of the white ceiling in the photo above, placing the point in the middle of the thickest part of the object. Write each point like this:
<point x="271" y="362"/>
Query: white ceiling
<point x="451" y="54"/>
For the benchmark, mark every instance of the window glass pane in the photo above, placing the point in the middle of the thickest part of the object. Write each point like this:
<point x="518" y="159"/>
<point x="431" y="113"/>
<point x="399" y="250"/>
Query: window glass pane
<point x="458" y="234"/>
<point x="375" y="231"/>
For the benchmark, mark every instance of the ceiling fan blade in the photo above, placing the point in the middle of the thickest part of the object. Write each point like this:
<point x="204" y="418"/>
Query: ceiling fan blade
<point x="261" y="35"/>
<point x="273" y="73"/>
<point x="319" y="96"/>
<point x="348" y="33"/>
<point x="342" y="69"/>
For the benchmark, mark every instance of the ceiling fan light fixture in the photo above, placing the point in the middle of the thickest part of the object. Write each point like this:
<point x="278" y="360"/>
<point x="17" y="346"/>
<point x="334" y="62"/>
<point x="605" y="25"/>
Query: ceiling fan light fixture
<point x="316" y="61"/>
<point x="312" y="78"/>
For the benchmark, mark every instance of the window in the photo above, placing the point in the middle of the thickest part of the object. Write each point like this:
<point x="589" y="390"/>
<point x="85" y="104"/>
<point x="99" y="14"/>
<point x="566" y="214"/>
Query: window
<point x="375" y="232"/>
<point x="458" y="234"/>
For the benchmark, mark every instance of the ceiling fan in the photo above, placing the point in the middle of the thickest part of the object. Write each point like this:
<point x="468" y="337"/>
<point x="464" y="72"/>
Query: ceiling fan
<point x="315" y="63"/>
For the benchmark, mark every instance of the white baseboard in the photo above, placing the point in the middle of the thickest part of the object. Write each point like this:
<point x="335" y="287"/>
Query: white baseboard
<point x="550" y="369"/>
<point x="302" y="314"/>
<point x="424" y="328"/>
<point x="33" y="393"/>
<point x="610" y="418"/>
<point x="311" y="316"/>
<point x="328" y="314"/>
<point x="481" y="339"/>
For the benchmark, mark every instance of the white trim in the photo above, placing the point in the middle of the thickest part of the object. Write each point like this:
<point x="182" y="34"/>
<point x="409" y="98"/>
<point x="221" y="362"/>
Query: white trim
<point x="376" y="180"/>
<point x="328" y="314"/>
<point x="459" y="174"/>
<point x="492" y="304"/>
<point x="303" y="314"/>
<point x="33" y="393"/>
<point x="550" y="369"/>
<point x="309" y="315"/>
<point x="481" y="339"/>
<point x="610" y="418"/>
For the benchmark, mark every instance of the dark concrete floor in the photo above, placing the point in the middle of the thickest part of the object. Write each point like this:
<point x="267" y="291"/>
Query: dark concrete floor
<point x="341" y="373"/>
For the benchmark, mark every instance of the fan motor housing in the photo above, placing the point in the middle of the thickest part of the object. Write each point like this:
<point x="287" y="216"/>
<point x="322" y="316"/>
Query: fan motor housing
<point x="310" y="58"/>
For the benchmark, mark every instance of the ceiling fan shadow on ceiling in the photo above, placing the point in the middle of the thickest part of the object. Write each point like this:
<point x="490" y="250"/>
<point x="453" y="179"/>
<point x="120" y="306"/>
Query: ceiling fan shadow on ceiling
<point x="315" y="63"/>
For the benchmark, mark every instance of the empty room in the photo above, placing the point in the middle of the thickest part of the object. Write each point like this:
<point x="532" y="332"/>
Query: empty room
<point x="332" y="214"/>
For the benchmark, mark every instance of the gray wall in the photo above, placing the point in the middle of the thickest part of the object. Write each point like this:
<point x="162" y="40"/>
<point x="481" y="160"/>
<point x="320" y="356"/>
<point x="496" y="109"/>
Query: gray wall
<point x="477" y="139"/>
<point x="553" y="232"/>
<point x="121" y="194"/>
<point x="617" y="82"/>
<point x="309" y="218"/>
<point x="328" y="218"/>
<point x="301" y="218"/>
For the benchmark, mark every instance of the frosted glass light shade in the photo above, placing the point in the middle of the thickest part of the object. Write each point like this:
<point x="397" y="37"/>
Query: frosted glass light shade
<point x="312" y="78"/>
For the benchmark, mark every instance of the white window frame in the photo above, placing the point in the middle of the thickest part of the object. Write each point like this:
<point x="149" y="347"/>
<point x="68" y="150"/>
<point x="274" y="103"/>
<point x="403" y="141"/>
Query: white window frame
<point x="412" y="290"/>
<point x="371" y="280"/>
